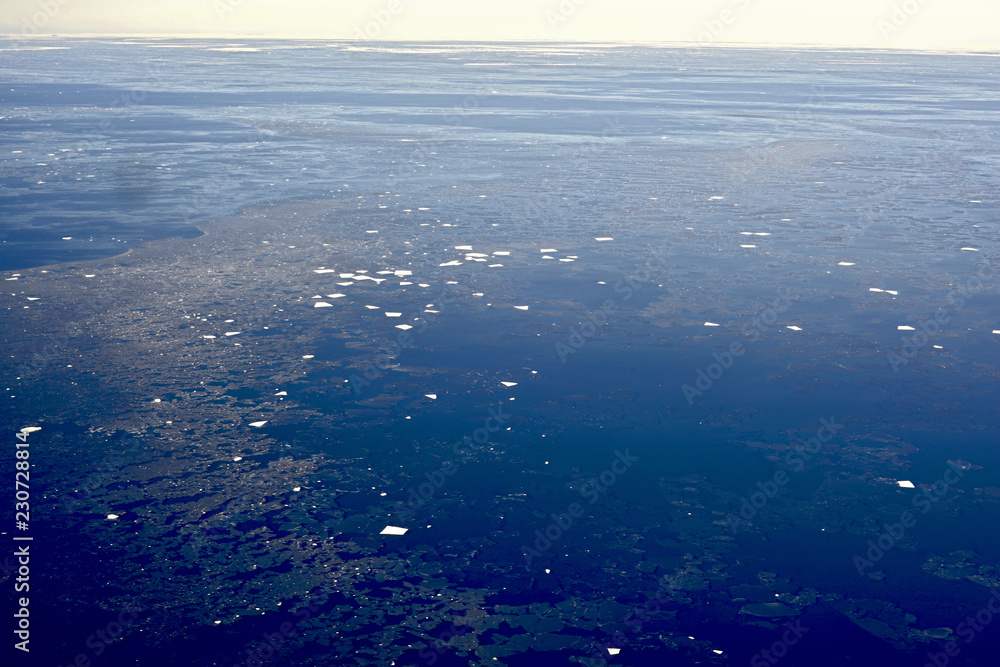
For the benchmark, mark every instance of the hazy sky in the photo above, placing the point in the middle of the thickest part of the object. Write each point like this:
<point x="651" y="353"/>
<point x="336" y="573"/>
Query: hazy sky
<point x="873" y="23"/>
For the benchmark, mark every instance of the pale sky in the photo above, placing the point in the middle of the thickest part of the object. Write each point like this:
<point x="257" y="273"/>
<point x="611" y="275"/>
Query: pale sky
<point x="904" y="24"/>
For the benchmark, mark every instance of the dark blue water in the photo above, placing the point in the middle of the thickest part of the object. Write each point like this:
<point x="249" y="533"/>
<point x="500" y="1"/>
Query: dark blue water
<point x="755" y="190"/>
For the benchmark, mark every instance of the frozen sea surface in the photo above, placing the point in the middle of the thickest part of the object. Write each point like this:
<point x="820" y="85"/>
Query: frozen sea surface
<point x="488" y="354"/>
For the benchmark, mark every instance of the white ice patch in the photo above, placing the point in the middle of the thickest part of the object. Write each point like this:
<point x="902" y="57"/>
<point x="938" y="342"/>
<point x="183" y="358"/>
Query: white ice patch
<point x="905" y="484"/>
<point x="393" y="530"/>
<point x="904" y="327"/>
<point x="258" y="424"/>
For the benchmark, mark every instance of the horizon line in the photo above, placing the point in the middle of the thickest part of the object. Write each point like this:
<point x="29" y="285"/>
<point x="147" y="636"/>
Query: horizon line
<point x="975" y="49"/>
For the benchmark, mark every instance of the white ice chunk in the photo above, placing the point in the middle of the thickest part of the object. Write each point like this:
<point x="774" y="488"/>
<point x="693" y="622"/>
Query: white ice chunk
<point x="845" y="263"/>
<point x="372" y="307"/>
<point x="604" y="238"/>
<point x="233" y="333"/>
<point x="322" y="304"/>
<point x="404" y="327"/>
<point x="393" y="530"/>
<point x="209" y="337"/>
<point x="431" y="396"/>
<point x="892" y="292"/>
<point x="112" y="517"/>
<point x="905" y="484"/>
<point x="453" y="262"/>
<point x="336" y="296"/>
<point x="616" y="651"/>
<point x="282" y="393"/>
<point x="747" y="246"/>
<point x="548" y="250"/>
<point x="522" y="307"/>
<point x="308" y="356"/>
<point x="875" y="289"/>
<point x="463" y="247"/>
<point x="793" y="327"/>
<point x="31" y="429"/>
<point x="971" y="249"/>
<point x="394" y="314"/>
<point x="325" y="271"/>
<point x="502" y="253"/>
<point x="711" y="324"/>
<point x="258" y="424"/>
<point x="904" y="327"/>
<point x="509" y="384"/>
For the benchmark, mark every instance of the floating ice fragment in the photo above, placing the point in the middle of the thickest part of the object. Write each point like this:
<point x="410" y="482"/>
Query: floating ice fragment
<point x="875" y="289"/>
<point x="282" y="393"/>
<point x="996" y="331"/>
<point x="112" y="517"/>
<point x="509" y="384"/>
<point x="89" y="275"/>
<point x="297" y="489"/>
<point x="463" y="247"/>
<point x="938" y="347"/>
<point x="793" y="327"/>
<point x="567" y="260"/>
<point x="453" y="262"/>
<point x="762" y="233"/>
<point x="325" y="271"/>
<point x="616" y="651"/>
<point x="335" y="296"/>
<point x="548" y="250"/>
<point x="404" y="327"/>
<point x="711" y="324"/>
<point x="547" y="257"/>
<point x="905" y="484"/>
<point x="522" y="307"/>
<point x="716" y="198"/>
<point x="502" y="253"/>
<point x="393" y="530"/>
<point x="403" y="273"/>
<point x="258" y="424"/>
<point x="892" y="292"/>
<point x="433" y="397"/>
<point x="372" y="307"/>
<point x="604" y="238"/>
<point x="372" y="231"/>
<point x="233" y="333"/>
<point x="33" y="298"/>
<point x="747" y="246"/>
<point x="308" y="356"/>
<point x="904" y="327"/>
<point x="237" y="458"/>
<point x="67" y="238"/>
<point x="322" y="304"/>
<point x="845" y="263"/>
<point x="971" y="249"/>
<point x="346" y="275"/>
<point x="394" y="314"/>
<point x="209" y="336"/>
<point x="31" y="429"/>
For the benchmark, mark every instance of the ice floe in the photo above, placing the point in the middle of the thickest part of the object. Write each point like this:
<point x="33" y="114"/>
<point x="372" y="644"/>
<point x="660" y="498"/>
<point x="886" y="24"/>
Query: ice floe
<point x="393" y="314"/>
<point x="393" y="530"/>
<point x="971" y="249"/>
<point x="845" y="263"/>
<point x="905" y="327"/>
<point x="233" y="333"/>
<point x="522" y="307"/>
<point x="31" y="429"/>
<point x="322" y="304"/>
<point x="603" y="238"/>
<point x="793" y="327"/>
<point x="258" y="424"/>
<point x="711" y="324"/>
<point x="404" y="327"/>
<point x="112" y="517"/>
<point x="905" y="484"/>
<point x="433" y="397"/>
<point x="509" y="384"/>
